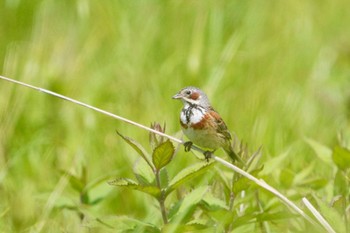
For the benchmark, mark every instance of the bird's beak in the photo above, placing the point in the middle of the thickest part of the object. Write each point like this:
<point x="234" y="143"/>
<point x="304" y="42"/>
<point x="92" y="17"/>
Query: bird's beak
<point x="178" y="96"/>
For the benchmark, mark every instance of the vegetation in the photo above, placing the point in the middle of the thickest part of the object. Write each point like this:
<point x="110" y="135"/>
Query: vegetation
<point x="278" y="73"/>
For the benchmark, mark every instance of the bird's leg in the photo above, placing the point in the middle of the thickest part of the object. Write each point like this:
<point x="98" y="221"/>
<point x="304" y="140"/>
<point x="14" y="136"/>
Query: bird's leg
<point x="208" y="154"/>
<point x="188" y="146"/>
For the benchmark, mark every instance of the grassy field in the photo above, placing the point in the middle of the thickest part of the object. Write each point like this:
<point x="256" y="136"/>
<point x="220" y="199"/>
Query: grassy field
<point x="277" y="71"/>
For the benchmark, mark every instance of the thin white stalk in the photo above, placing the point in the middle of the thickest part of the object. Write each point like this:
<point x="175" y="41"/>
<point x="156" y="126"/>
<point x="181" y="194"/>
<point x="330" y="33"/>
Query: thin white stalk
<point x="317" y="215"/>
<point x="260" y="182"/>
<point x="91" y="107"/>
<point x="264" y="185"/>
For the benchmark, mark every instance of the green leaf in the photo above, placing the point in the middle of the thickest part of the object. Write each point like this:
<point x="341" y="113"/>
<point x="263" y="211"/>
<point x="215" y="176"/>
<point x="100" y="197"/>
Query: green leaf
<point x="188" y="205"/>
<point x="96" y="201"/>
<point x="84" y="198"/>
<point x="138" y="148"/>
<point x="341" y="186"/>
<point x="98" y="190"/>
<point x="286" y="177"/>
<point x="198" y="224"/>
<point x="315" y="183"/>
<point x="123" y="182"/>
<point x="341" y="157"/>
<point x="225" y="217"/>
<point x="143" y="173"/>
<point x="164" y="178"/>
<point x="121" y="224"/>
<point x="323" y="152"/>
<point x="339" y="203"/>
<point x="331" y="215"/>
<point x="274" y="216"/>
<point x="254" y="160"/>
<point x="128" y="183"/>
<point x="163" y="154"/>
<point x="212" y="203"/>
<point x="275" y="164"/>
<point x="174" y="208"/>
<point x="192" y="226"/>
<point x="303" y="174"/>
<point x="74" y="181"/>
<point x="189" y="227"/>
<point x="193" y="198"/>
<point x="102" y="179"/>
<point x="241" y="184"/>
<point x="248" y="218"/>
<point x="188" y="174"/>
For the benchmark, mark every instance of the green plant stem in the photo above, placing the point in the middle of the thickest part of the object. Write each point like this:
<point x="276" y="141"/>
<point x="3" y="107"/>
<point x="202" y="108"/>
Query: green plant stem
<point x="161" y="199"/>
<point x="262" y="224"/>
<point x="232" y="194"/>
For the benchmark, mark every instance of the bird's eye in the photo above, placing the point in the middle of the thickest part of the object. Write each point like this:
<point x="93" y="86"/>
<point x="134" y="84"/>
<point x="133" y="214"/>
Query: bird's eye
<point x="188" y="92"/>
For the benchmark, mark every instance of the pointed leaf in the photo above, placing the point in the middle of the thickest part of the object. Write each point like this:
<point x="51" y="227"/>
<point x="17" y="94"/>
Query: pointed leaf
<point x="123" y="182"/>
<point x="121" y="224"/>
<point x="323" y="152"/>
<point x="102" y="179"/>
<point x="138" y="148"/>
<point x="339" y="203"/>
<point x="163" y="154"/>
<point x="188" y="174"/>
<point x="225" y="217"/>
<point x="174" y="208"/>
<point x="188" y="205"/>
<point x="331" y="215"/>
<point x="164" y="178"/>
<point x="241" y="184"/>
<point x="96" y="201"/>
<point x="302" y="175"/>
<point x="76" y="182"/>
<point x="341" y="186"/>
<point x="212" y="203"/>
<point x="315" y="183"/>
<point x="275" y="216"/>
<point x="192" y="226"/>
<point x="128" y="183"/>
<point x="143" y="173"/>
<point x="275" y="164"/>
<point x="254" y="160"/>
<point x="341" y="157"/>
<point x="286" y="177"/>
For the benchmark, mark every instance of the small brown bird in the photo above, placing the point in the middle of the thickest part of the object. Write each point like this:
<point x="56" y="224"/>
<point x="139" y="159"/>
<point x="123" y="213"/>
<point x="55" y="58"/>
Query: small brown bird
<point x="202" y="124"/>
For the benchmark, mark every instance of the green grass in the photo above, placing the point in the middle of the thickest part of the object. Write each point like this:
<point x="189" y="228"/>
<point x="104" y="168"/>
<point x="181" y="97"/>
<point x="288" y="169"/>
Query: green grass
<point x="278" y="73"/>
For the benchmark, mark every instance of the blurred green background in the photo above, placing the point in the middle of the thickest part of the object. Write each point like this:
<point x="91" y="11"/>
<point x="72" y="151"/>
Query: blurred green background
<point x="277" y="71"/>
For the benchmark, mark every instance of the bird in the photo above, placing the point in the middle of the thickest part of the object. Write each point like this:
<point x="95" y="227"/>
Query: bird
<point x="202" y="125"/>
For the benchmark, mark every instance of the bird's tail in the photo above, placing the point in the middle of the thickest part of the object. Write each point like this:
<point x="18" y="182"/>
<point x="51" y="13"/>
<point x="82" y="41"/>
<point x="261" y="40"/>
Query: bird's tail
<point x="229" y="150"/>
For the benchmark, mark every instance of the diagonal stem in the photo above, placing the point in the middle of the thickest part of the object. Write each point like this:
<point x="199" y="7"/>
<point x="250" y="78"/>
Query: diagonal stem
<point x="92" y="107"/>
<point x="259" y="182"/>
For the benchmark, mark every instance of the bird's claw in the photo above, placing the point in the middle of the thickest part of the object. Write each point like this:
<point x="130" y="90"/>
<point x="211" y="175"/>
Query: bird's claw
<point x="188" y="146"/>
<point x="207" y="155"/>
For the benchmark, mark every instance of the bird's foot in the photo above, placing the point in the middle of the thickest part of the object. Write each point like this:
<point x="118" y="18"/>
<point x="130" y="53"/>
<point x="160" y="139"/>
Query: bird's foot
<point x="188" y="146"/>
<point x="207" y="155"/>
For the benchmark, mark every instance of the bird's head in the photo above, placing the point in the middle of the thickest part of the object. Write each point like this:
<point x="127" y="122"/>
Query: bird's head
<point x="193" y="96"/>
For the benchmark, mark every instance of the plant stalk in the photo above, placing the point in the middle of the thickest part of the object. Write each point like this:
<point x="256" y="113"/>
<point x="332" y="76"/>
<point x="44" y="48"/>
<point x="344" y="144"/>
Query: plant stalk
<point x="259" y="182"/>
<point x="161" y="199"/>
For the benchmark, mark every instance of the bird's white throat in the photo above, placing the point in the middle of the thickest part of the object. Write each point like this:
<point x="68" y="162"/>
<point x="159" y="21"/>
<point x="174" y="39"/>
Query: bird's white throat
<point x="191" y="114"/>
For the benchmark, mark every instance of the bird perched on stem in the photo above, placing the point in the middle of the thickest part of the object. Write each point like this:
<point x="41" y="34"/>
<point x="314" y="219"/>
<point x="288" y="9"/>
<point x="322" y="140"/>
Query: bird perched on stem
<point x="202" y="124"/>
